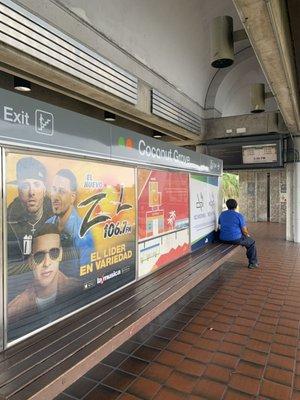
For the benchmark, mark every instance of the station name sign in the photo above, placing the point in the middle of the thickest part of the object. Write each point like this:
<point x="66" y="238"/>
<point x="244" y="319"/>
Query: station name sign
<point x="29" y="121"/>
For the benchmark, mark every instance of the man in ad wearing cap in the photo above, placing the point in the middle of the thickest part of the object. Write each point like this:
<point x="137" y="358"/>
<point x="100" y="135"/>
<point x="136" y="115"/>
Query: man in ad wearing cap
<point x="77" y="251"/>
<point x="29" y="211"/>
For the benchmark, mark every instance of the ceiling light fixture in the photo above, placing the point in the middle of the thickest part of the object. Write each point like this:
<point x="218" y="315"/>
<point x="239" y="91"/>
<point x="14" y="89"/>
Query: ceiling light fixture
<point x="21" y="84"/>
<point x="109" y="116"/>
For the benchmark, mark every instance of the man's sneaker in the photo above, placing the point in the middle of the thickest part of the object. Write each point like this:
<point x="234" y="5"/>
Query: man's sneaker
<point x="251" y="266"/>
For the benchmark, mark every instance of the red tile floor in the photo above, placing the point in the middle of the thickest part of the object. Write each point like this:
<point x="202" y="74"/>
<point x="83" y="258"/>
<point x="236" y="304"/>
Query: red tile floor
<point x="238" y="339"/>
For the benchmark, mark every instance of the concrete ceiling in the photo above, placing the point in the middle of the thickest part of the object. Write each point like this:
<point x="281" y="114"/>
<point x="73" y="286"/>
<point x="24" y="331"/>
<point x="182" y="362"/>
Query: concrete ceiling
<point x="170" y="37"/>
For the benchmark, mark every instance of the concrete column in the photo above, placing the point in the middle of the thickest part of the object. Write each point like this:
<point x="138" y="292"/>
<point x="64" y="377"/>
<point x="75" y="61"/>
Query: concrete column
<point x="289" y="169"/>
<point x="296" y="196"/>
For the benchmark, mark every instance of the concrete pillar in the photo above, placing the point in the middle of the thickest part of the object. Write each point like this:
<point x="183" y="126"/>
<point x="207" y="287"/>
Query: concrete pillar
<point x="289" y="169"/>
<point x="296" y="196"/>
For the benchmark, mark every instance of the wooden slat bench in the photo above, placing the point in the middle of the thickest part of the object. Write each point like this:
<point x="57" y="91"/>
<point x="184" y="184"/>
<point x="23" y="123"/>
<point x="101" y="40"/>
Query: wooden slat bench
<point x="45" y="364"/>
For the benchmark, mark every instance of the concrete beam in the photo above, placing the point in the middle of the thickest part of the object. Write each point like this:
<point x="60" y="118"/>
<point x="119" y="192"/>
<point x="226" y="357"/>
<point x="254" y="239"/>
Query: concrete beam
<point x="267" y="27"/>
<point x="17" y="62"/>
<point x="243" y="125"/>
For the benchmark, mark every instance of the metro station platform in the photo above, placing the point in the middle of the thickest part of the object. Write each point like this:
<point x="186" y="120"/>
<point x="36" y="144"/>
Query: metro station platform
<point x="236" y="339"/>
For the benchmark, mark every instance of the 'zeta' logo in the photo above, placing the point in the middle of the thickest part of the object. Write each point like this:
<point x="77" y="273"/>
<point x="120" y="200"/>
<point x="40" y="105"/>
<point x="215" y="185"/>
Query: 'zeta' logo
<point x="44" y="122"/>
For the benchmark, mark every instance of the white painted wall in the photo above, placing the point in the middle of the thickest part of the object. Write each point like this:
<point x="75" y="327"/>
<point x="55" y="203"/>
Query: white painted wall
<point x="233" y="95"/>
<point x="171" y="36"/>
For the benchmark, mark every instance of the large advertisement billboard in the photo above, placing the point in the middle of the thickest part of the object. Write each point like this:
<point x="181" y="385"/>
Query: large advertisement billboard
<point x="204" y="208"/>
<point x="70" y="236"/>
<point x="163" y="218"/>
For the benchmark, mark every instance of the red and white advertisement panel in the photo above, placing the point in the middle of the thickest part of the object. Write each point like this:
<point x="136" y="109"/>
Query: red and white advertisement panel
<point x="163" y="209"/>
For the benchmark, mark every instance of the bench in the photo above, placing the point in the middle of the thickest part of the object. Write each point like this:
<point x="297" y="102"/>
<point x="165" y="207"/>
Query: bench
<point x="45" y="364"/>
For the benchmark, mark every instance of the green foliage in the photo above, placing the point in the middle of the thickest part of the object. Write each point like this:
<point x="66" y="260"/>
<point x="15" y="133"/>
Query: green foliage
<point x="230" y="186"/>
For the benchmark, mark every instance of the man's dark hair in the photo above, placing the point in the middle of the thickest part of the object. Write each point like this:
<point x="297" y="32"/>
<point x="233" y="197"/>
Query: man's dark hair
<point x="66" y="173"/>
<point x="46" y="229"/>
<point x="231" y="204"/>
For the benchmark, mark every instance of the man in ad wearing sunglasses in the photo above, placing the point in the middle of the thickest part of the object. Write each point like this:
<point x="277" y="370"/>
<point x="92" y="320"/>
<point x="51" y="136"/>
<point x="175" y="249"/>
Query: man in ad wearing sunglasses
<point x="49" y="283"/>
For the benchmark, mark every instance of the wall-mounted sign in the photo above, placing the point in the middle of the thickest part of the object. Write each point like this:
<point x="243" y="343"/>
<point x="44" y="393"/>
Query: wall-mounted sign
<point x="163" y="218"/>
<point x="260" y="154"/>
<point x="203" y="208"/>
<point x="70" y="235"/>
<point x="28" y="121"/>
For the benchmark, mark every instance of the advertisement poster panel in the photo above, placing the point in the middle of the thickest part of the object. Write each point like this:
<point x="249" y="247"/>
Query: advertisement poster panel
<point x="163" y="210"/>
<point x="70" y="236"/>
<point x="204" y="208"/>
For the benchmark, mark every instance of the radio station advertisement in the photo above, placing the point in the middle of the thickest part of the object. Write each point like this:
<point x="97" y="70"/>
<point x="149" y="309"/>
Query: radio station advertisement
<point x="204" y="209"/>
<point x="70" y="236"/>
<point x="163" y="218"/>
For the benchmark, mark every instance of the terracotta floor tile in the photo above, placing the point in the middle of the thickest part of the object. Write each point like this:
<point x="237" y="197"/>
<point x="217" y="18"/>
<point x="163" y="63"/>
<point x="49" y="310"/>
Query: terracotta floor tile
<point x="157" y="342"/>
<point x="261" y="335"/>
<point x="219" y="326"/>
<point x="279" y="375"/>
<point x="114" y="359"/>
<point x="209" y="389"/>
<point x="146" y="353"/>
<point x="235" y="395"/>
<point x="195" y="328"/>
<point x="187" y="337"/>
<point x="81" y="387"/>
<point x="250" y="369"/>
<point x="169" y="358"/>
<point x="284" y="350"/>
<point x="236" y="338"/>
<point x="191" y="367"/>
<point x="254" y="357"/>
<point x="144" y="388"/>
<point x="118" y="380"/>
<point x="265" y="327"/>
<point x="258" y="345"/>
<point x="128" y="396"/>
<point x="181" y="382"/>
<point x="179" y="347"/>
<point x="279" y="361"/>
<point x="157" y="372"/>
<point x="284" y="330"/>
<point x="99" y="372"/>
<point x="217" y="373"/>
<point x="225" y="360"/>
<point x="297" y="382"/>
<point x="207" y="344"/>
<point x="275" y="391"/>
<point x="166" y="333"/>
<point x="169" y="394"/>
<point x="102" y="393"/>
<point x="244" y="384"/>
<point x="133" y="365"/>
<point x="201" y="355"/>
<point x="128" y="347"/>
<point x="240" y="329"/>
<point x="176" y="325"/>
<point x="230" y="348"/>
<point x="225" y="319"/>
<point x="296" y="395"/>
<point x="213" y="335"/>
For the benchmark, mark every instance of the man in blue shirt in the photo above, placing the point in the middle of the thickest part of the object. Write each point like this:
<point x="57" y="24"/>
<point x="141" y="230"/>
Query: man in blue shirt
<point x="233" y="230"/>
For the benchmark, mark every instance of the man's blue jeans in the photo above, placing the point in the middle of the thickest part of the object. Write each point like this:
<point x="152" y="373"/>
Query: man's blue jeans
<point x="249" y="243"/>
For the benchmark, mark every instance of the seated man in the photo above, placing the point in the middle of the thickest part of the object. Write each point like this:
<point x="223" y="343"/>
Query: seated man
<point x="233" y="230"/>
<point x="49" y="283"/>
